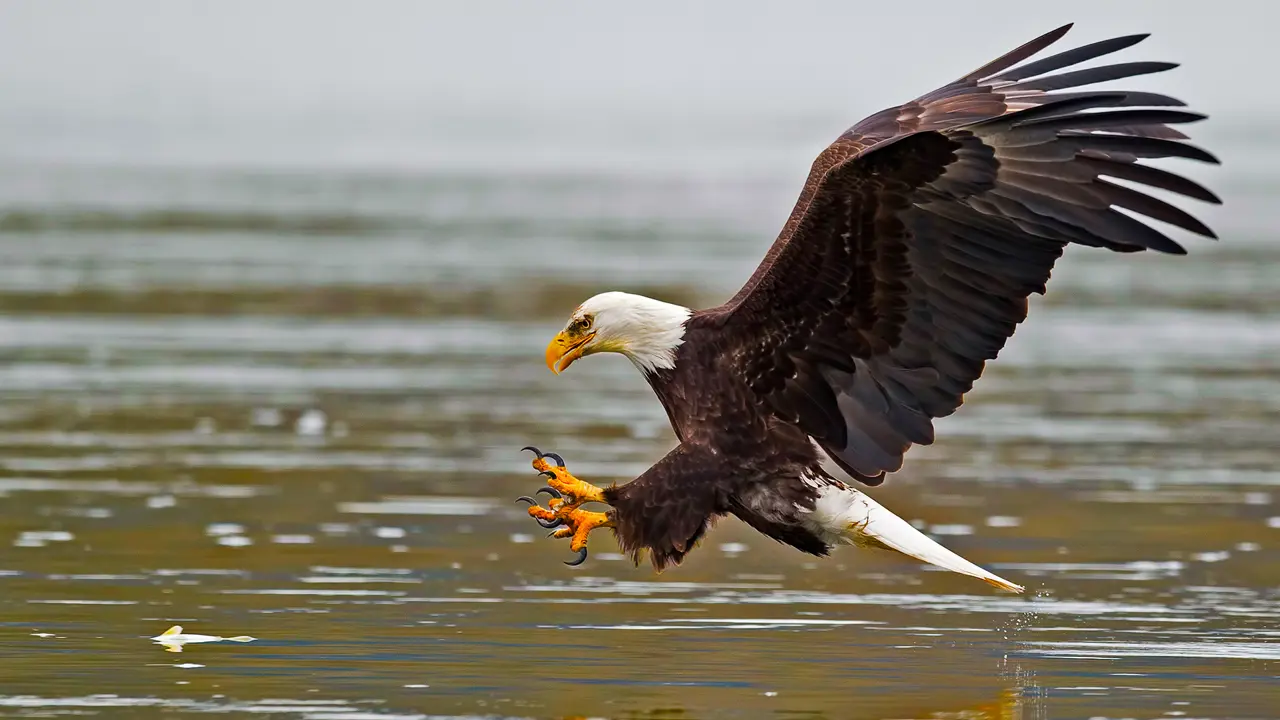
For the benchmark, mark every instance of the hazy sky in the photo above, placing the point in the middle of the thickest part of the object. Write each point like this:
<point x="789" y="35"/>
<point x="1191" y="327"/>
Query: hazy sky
<point x="77" y="77"/>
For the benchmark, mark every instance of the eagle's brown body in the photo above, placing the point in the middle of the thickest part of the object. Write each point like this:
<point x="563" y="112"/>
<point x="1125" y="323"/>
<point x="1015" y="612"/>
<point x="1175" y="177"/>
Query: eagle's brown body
<point x="766" y="471"/>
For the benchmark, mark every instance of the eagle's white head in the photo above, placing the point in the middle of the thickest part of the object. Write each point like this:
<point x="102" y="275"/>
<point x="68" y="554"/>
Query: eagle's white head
<point x="647" y="331"/>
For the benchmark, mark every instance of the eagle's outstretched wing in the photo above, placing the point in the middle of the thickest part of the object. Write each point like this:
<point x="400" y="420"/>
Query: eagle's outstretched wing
<point x="921" y="231"/>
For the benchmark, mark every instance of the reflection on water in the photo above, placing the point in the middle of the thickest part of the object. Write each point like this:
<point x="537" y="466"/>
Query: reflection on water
<point x="290" y="407"/>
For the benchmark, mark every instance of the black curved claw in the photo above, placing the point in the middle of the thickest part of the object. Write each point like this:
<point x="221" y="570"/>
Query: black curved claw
<point x="550" y="491"/>
<point x="551" y="534"/>
<point x="554" y="456"/>
<point x="547" y="474"/>
<point x="527" y="499"/>
<point x="582" y="557"/>
<point x="557" y="522"/>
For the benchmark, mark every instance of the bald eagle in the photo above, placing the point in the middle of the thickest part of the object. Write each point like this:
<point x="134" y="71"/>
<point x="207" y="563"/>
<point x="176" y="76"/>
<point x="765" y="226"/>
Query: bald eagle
<point x="905" y="266"/>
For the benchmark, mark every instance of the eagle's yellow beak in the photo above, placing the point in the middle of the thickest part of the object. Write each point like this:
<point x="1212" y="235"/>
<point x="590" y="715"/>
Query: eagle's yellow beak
<point x="565" y="348"/>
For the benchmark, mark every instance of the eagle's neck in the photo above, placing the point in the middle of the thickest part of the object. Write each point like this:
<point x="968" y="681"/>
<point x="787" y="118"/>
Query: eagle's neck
<point x="660" y="368"/>
<point x="655" y="330"/>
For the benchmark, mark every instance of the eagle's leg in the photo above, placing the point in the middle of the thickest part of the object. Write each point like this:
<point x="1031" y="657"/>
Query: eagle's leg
<point x="563" y="510"/>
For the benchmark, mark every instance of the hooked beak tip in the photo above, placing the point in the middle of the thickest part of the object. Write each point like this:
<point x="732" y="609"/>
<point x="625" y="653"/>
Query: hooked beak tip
<point x="555" y="351"/>
<point x="562" y="351"/>
<point x="556" y="355"/>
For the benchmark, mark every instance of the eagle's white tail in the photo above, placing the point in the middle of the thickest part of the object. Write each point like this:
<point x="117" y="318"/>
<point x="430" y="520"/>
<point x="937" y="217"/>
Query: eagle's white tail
<point x="864" y="522"/>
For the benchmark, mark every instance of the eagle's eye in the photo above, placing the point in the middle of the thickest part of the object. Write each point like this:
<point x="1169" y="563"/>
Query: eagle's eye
<point x="581" y="325"/>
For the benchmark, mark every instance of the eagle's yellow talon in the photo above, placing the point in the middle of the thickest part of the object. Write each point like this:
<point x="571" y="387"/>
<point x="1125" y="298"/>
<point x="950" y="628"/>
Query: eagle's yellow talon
<point x="579" y="524"/>
<point x="559" y="479"/>
<point x="563" y="514"/>
<point x="583" y="522"/>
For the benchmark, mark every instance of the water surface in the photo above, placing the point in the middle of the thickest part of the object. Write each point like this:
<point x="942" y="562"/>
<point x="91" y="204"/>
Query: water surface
<point x="290" y="407"/>
<point x="253" y="382"/>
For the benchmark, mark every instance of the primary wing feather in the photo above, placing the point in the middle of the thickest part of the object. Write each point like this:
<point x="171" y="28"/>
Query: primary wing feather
<point x="921" y="231"/>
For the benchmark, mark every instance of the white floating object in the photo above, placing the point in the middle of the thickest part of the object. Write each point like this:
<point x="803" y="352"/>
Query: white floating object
<point x="1003" y="521"/>
<point x="311" y="422"/>
<point x="173" y="639"/>
<point x="39" y="538"/>
<point x="235" y="541"/>
<point x="389" y="533"/>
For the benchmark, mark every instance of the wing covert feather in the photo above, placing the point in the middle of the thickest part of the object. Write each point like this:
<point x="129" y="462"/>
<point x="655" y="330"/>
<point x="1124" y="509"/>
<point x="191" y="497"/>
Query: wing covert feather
<point x="920" y="232"/>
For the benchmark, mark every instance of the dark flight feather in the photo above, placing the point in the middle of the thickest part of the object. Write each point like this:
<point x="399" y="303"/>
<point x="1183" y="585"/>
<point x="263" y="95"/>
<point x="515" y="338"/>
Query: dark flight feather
<point x="949" y="221"/>
<point x="1075" y="56"/>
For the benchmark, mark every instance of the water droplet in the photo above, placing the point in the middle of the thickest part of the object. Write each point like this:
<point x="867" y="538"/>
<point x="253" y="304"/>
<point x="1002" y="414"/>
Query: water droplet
<point x="161" y="501"/>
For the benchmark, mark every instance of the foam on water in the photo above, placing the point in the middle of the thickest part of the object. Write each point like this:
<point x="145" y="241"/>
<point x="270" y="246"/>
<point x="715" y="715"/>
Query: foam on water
<point x="1211" y="650"/>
